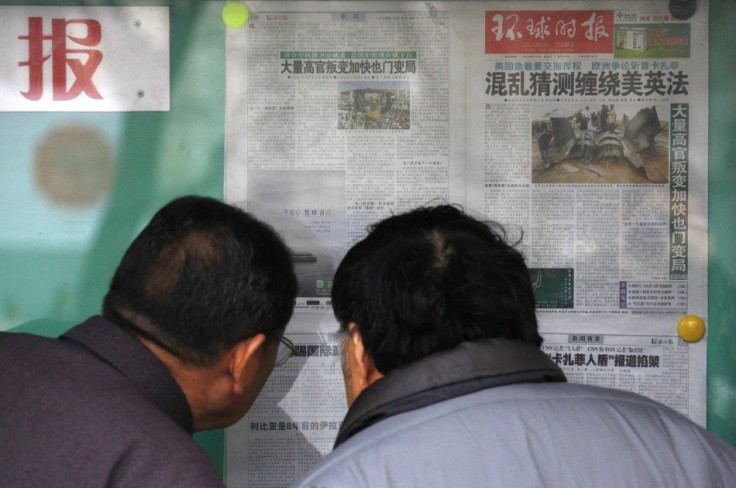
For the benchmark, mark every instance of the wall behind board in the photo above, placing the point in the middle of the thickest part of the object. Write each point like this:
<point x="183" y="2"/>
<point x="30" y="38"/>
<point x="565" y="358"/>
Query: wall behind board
<point x="722" y="221"/>
<point x="57" y="256"/>
<point x="58" y="251"/>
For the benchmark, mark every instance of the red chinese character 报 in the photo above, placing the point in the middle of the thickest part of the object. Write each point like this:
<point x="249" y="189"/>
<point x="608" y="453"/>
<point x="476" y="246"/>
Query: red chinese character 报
<point x="62" y="58"/>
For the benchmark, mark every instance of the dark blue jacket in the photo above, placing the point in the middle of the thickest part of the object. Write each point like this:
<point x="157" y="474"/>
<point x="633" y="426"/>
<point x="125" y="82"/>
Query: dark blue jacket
<point x="94" y="408"/>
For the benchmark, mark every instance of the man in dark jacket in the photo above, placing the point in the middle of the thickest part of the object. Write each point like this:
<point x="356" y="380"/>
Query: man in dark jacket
<point x="190" y="331"/>
<point x="447" y="386"/>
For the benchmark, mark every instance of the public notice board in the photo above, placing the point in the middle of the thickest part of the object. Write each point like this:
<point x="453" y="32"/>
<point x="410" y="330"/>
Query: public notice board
<point x="580" y="126"/>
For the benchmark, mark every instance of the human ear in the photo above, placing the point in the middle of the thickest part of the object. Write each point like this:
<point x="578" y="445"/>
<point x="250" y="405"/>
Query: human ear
<point x="365" y="371"/>
<point x="244" y="359"/>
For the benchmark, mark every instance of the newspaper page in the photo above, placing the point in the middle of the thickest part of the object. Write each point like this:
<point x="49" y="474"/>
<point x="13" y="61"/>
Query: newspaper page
<point x="580" y="126"/>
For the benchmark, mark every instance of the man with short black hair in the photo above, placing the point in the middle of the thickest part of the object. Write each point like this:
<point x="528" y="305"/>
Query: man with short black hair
<point x="447" y="386"/>
<point x="189" y="334"/>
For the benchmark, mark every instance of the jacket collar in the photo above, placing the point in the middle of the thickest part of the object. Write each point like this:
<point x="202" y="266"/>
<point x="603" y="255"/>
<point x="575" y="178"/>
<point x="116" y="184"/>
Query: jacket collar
<point x="116" y="347"/>
<point x="469" y="367"/>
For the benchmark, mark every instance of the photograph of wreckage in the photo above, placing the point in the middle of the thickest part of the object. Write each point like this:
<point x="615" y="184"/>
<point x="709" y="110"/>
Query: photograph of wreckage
<point x="600" y="144"/>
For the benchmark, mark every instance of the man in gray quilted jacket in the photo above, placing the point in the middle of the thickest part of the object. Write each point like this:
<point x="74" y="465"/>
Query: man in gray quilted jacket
<point x="447" y="386"/>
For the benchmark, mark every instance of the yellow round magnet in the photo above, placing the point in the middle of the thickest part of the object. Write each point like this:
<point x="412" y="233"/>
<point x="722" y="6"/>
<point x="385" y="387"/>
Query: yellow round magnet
<point x="691" y="328"/>
<point x="235" y="14"/>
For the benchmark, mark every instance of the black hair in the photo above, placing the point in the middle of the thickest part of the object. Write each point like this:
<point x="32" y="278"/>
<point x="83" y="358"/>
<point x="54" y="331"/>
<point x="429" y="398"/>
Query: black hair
<point x="426" y="280"/>
<point x="201" y="276"/>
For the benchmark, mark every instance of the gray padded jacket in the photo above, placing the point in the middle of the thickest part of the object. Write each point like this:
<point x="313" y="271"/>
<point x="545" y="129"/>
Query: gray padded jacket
<point x="499" y="414"/>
